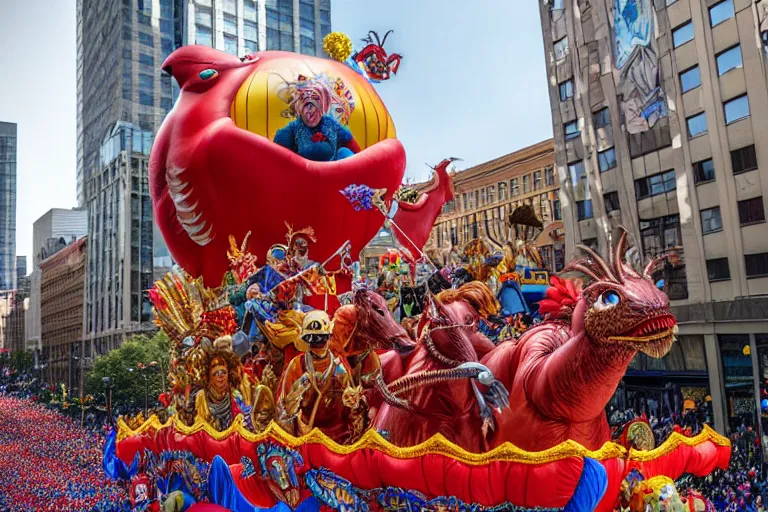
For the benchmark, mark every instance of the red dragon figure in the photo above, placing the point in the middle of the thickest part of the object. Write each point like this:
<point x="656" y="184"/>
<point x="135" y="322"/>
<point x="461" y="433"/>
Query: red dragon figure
<point x="562" y="373"/>
<point x="374" y="60"/>
<point x="439" y="383"/>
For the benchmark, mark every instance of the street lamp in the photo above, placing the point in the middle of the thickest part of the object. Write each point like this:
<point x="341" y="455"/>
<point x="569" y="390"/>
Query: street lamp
<point x="108" y="384"/>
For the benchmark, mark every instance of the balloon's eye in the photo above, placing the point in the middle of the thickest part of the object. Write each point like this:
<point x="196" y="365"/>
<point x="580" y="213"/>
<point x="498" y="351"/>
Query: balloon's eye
<point x="207" y="74"/>
<point x="607" y="300"/>
<point x="660" y="284"/>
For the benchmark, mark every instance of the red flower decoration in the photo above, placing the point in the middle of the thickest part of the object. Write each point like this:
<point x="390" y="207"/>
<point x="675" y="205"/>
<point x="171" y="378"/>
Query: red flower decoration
<point x="318" y="137"/>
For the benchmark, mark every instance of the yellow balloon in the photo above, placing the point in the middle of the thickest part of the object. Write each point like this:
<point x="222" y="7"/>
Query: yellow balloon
<point x="258" y="107"/>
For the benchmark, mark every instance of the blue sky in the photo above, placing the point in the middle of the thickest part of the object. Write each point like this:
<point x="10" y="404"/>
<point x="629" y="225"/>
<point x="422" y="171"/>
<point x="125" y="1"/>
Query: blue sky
<point x="472" y="85"/>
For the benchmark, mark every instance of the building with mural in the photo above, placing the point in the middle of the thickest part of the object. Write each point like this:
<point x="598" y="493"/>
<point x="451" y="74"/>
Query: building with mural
<point x="657" y="108"/>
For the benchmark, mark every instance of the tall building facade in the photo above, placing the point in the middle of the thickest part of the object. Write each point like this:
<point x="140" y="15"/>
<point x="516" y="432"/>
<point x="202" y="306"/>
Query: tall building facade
<point x="7" y="206"/>
<point x="243" y="26"/>
<point x="120" y="46"/>
<point x="61" y="310"/>
<point x="485" y="196"/>
<point x="658" y="107"/>
<point x="52" y="232"/>
<point x="120" y="240"/>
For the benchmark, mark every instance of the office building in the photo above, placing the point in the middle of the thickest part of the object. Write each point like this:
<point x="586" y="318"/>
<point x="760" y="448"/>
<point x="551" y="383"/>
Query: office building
<point x="120" y="46"/>
<point x="52" y="232"/>
<point x="7" y="206"/>
<point x="244" y="26"/>
<point x="62" y="283"/>
<point x="657" y="108"/>
<point x="120" y="241"/>
<point x="486" y="194"/>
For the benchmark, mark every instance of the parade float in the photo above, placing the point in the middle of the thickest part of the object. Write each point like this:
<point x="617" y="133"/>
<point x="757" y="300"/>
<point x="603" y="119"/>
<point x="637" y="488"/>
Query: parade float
<point x="294" y="387"/>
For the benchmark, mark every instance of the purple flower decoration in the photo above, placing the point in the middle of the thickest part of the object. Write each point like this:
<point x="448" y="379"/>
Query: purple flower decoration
<point x="362" y="197"/>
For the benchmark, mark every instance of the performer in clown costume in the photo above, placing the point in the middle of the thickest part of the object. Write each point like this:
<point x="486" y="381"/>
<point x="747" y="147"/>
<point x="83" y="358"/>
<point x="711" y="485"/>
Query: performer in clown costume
<point x="321" y="106"/>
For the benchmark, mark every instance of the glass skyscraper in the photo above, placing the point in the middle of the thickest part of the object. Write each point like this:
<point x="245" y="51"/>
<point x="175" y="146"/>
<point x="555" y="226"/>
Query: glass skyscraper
<point x="7" y="206"/>
<point x="243" y="26"/>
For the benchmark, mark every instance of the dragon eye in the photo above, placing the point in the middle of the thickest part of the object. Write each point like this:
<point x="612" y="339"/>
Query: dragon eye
<point x="207" y="74"/>
<point x="607" y="300"/>
<point x="660" y="284"/>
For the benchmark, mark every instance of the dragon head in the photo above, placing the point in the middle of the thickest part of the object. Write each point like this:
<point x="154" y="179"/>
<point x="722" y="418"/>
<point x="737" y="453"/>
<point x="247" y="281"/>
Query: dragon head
<point x="623" y="307"/>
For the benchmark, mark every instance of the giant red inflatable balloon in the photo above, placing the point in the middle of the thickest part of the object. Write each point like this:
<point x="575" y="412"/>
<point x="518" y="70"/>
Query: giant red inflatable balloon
<point x="212" y="177"/>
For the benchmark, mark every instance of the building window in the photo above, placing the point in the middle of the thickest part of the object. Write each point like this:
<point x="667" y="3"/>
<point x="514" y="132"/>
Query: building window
<point x="250" y="46"/>
<point x="561" y="48"/>
<point x="697" y="125"/>
<point x="146" y="60"/>
<point x="728" y="60"/>
<point x="482" y="196"/>
<point x="682" y="34"/>
<point x="736" y="109"/>
<point x="743" y="159"/>
<point x="751" y="211"/>
<point x="146" y="39"/>
<point x="203" y="35"/>
<point x="249" y="10"/>
<point x="230" y="44"/>
<point x="611" y="202"/>
<point x="576" y="171"/>
<point x="513" y="187"/>
<point x="491" y="194"/>
<point x="590" y="242"/>
<point x="526" y="183"/>
<point x="203" y="16"/>
<point x="757" y="264"/>
<point x="557" y="5"/>
<point x="720" y="12"/>
<point x="502" y="190"/>
<point x="464" y="201"/>
<point x="660" y="234"/>
<point x="690" y="79"/>
<point x="711" y="222"/>
<point x="703" y="171"/>
<point x="718" y="270"/>
<point x="549" y="177"/>
<point x="606" y="159"/>
<point x="556" y="211"/>
<point x="537" y="180"/>
<point x="584" y="209"/>
<point x="566" y="90"/>
<point x="230" y="6"/>
<point x="230" y="24"/>
<point x="655" y="185"/>
<point x="602" y="118"/>
<point x="572" y="130"/>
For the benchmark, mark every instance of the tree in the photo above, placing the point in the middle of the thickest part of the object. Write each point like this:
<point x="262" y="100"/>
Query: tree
<point x="124" y="368"/>
<point x="21" y="361"/>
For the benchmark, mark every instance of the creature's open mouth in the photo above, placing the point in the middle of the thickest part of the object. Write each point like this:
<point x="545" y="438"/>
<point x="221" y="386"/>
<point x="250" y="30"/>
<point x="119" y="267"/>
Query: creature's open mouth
<point x="653" y="336"/>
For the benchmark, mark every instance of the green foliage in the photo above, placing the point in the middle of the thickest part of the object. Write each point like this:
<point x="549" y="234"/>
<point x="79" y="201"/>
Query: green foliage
<point x="122" y="366"/>
<point x="20" y="361"/>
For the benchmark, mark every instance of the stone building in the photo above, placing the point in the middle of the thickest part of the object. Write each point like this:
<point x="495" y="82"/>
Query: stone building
<point x="658" y="107"/>
<point x="486" y="194"/>
<point x="62" y="289"/>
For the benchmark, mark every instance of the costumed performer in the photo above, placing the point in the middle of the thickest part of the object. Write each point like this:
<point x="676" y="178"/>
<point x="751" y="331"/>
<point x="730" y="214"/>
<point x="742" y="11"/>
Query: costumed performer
<point x="315" y="134"/>
<point x="314" y="385"/>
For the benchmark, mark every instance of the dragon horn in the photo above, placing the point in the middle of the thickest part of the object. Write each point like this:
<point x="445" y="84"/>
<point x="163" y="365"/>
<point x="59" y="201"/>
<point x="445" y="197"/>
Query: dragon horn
<point x="579" y="267"/>
<point x="617" y="256"/>
<point x="654" y="264"/>
<point x="599" y="261"/>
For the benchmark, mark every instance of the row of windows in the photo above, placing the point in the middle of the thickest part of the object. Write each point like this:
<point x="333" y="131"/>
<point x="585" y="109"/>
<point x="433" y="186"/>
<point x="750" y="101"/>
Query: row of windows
<point x="718" y="13"/>
<point x="751" y="211"/>
<point x="756" y="265"/>
<point x="742" y="160"/>
<point x="726" y="61"/>
<point x="486" y="195"/>
<point x="735" y="109"/>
